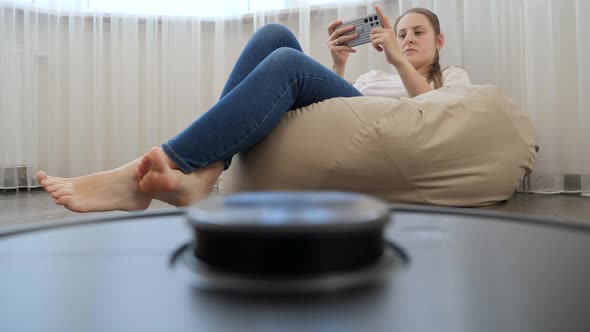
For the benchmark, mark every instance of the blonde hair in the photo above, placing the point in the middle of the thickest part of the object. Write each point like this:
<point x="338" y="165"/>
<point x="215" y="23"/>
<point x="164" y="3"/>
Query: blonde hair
<point x="435" y="73"/>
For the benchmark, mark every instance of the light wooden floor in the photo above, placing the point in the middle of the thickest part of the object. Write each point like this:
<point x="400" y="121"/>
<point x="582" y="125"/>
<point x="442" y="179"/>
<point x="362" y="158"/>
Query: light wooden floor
<point x="36" y="205"/>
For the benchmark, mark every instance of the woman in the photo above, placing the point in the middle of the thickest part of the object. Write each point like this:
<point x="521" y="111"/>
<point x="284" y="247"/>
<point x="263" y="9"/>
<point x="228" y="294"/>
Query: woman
<point x="271" y="76"/>
<point x="412" y="47"/>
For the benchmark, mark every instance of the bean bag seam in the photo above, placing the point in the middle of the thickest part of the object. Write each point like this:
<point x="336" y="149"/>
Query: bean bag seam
<point x="371" y="127"/>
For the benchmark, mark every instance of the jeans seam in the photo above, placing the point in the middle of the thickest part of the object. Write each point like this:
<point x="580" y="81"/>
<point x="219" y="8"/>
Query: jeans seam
<point x="271" y="111"/>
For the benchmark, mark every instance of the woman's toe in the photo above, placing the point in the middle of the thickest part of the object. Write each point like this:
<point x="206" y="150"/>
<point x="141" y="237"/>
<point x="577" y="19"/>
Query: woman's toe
<point x="64" y="200"/>
<point x="61" y="192"/>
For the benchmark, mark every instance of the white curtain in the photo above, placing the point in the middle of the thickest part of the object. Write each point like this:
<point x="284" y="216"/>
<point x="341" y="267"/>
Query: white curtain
<point x="87" y="85"/>
<point x="539" y="52"/>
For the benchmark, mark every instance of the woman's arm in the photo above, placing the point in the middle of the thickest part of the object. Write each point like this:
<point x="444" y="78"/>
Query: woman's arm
<point x="339" y="70"/>
<point x="337" y="45"/>
<point x="414" y="83"/>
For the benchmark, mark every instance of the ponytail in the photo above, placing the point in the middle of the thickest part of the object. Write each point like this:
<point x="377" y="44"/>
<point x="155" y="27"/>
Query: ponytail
<point x="435" y="74"/>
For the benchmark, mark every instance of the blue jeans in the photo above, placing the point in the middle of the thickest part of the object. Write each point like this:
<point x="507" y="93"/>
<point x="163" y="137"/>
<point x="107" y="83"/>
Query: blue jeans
<point x="271" y="77"/>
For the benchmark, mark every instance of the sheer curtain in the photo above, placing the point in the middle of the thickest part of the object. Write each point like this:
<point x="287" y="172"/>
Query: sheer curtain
<point x="538" y="51"/>
<point x="87" y="85"/>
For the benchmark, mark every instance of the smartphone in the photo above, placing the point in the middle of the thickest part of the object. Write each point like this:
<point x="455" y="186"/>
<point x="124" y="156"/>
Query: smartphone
<point x="363" y="26"/>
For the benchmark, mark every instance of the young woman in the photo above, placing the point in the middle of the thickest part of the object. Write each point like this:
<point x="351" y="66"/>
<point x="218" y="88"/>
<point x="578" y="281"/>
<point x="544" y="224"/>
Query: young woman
<point x="271" y="77"/>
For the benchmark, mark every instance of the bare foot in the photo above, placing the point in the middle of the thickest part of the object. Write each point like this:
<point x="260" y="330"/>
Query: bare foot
<point x="116" y="189"/>
<point x="162" y="181"/>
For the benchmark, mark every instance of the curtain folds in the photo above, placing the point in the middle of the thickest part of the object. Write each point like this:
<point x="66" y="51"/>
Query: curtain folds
<point x="85" y="88"/>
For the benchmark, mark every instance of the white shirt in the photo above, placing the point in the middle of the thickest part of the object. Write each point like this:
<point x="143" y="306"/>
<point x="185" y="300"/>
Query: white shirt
<point x="381" y="84"/>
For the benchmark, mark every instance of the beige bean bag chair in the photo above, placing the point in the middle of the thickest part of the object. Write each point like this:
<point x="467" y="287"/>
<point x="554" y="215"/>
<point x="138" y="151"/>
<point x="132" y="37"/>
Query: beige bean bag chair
<point x="455" y="146"/>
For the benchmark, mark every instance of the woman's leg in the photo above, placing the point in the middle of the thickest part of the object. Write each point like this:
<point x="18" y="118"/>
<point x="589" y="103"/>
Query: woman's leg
<point x="262" y="43"/>
<point x="254" y="102"/>
<point x="118" y="189"/>
<point x="286" y="79"/>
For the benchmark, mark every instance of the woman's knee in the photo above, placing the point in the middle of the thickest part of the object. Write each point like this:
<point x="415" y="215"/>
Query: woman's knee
<point x="288" y="56"/>
<point x="274" y="31"/>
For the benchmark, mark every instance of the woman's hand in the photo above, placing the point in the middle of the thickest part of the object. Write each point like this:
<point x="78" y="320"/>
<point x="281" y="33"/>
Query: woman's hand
<point x="340" y="52"/>
<point x="385" y="39"/>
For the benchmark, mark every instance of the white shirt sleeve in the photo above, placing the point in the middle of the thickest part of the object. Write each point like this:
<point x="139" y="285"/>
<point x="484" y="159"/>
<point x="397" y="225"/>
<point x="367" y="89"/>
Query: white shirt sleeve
<point x="457" y="76"/>
<point x="362" y="80"/>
